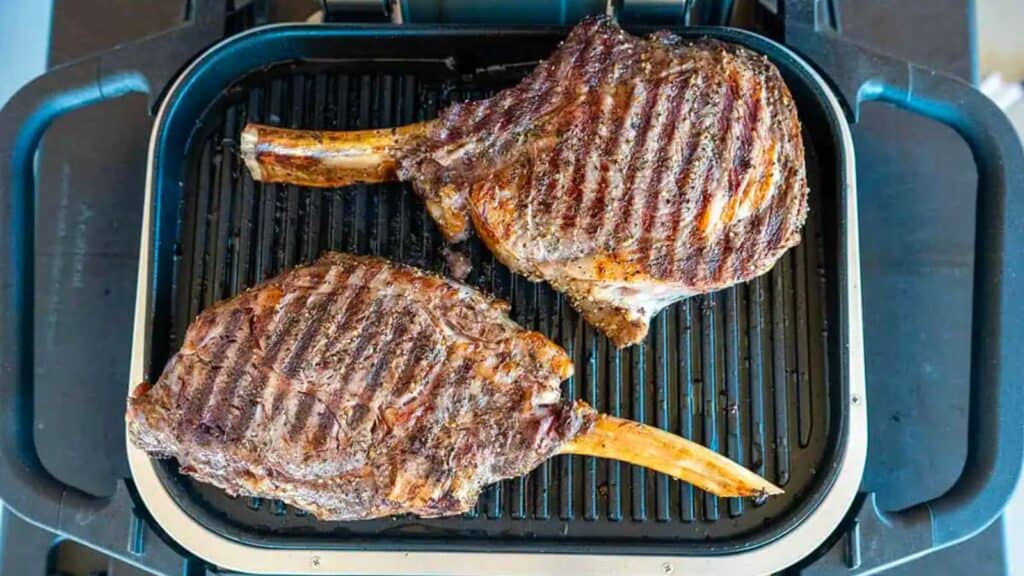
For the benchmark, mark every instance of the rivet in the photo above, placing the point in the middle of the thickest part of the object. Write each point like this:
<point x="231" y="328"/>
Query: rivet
<point x="855" y="399"/>
<point x="666" y="568"/>
<point x="315" y="561"/>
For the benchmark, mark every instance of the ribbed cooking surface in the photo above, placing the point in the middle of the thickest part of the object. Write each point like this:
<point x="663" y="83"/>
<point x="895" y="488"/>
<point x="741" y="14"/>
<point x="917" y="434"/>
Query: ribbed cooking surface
<point x="743" y="371"/>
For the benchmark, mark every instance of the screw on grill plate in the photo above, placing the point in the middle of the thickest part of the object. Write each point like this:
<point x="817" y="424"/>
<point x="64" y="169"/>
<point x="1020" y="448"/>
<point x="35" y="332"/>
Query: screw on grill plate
<point x="855" y="399"/>
<point x="315" y="561"/>
<point x="666" y="568"/>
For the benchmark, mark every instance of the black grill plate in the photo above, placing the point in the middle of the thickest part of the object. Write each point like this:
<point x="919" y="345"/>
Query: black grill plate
<point x="752" y="371"/>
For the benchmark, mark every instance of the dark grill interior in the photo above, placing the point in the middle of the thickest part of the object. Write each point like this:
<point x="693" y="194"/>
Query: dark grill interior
<point x="745" y="371"/>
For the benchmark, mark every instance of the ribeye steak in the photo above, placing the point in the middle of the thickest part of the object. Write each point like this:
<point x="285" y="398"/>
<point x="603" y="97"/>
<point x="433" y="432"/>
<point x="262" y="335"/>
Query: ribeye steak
<point x="357" y="388"/>
<point x="628" y="172"/>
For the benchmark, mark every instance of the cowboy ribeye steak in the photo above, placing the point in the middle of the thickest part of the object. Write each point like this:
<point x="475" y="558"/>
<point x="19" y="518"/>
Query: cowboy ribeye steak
<point x="628" y="172"/>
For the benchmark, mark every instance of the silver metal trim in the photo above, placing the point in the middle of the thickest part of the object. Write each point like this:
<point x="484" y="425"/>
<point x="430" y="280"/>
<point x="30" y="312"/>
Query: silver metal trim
<point x="772" y="557"/>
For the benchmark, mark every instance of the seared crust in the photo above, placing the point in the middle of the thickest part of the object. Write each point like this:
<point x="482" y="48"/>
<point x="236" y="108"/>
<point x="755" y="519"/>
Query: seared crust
<point x="628" y="172"/>
<point x="356" y="388"/>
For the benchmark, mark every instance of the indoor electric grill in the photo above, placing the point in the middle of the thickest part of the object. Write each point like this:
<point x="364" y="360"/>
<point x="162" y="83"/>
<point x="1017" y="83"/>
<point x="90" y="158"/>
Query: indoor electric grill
<point x="769" y="373"/>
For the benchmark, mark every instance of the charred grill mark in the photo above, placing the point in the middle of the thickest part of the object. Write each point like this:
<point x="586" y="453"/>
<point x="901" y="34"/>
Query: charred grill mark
<point x="367" y="331"/>
<point x="689" y="142"/>
<point x="771" y="221"/>
<point x="548" y="182"/>
<point x="722" y="144"/>
<point x="313" y="325"/>
<point x="280" y="394"/>
<point x="247" y="397"/>
<point x="305" y="322"/>
<point x="218" y="412"/>
<point x="298" y="423"/>
<point x="572" y="202"/>
<point x="665" y="107"/>
<point x="527" y="192"/>
<point x="599" y="207"/>
<point x="653" y="207"/>
<point x="374" y="382"/>
<point x="352" y="308"/>
<point x="762" y="188"/>
<point x="550" y="177"/>
<point x="422" y="348"/>
<point x="692" y="180"/>
<point x="528" y="97"/>
<point x="556" y="176"/>
<point x="538" y="178"/>
<point x="636" y="153"/>
<point x="192" y="412"/>
<point x="452" y="124"/>
<point x="346" y="357"/>
<point x="331" y="325"/>
<point x="284" y="329"/>
<point x="573" y="193"/>
<point x="777" y="210"/>
<point x="591" y="166"/>
<point x="752" y="247"/>
<point x="324" y="424"/>
<point x="492" y="113"/>
<point x="739" y="169"/>
<point x="426" y="427"/>
<point x="704" y="254"/>
<point x="250" y="394"/>
<point x="355" y="306"/>
<point x="743" y="158"/>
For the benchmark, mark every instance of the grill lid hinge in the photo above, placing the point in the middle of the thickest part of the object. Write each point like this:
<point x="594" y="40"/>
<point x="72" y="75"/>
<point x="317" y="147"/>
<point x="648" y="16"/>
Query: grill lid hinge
<point x="361" y="10"/>
<point x="549" y="13"/>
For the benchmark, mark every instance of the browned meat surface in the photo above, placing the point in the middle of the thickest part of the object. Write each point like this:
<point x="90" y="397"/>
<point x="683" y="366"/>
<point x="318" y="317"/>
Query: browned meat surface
<point x="355" y="388"/>
<point x="628" y="172"/>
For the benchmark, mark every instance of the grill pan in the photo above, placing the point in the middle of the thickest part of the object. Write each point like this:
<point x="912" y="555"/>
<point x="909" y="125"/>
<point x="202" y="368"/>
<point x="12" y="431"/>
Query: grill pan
<point x="743" y="370"/>
<point x="763" y="372"/>
<point x="155" y="514"/>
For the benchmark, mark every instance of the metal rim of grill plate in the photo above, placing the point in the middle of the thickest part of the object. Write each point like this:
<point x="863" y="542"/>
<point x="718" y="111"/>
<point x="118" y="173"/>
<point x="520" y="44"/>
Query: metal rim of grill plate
<point x="657" y="511"/>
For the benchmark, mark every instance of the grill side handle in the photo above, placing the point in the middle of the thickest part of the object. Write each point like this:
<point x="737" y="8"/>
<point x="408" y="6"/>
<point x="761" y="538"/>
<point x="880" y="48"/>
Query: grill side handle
<point x="996" y="412"/>
<point x="996" y="434"/>
<point x="25" y="485"/>
<point x="143" y="66"/>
